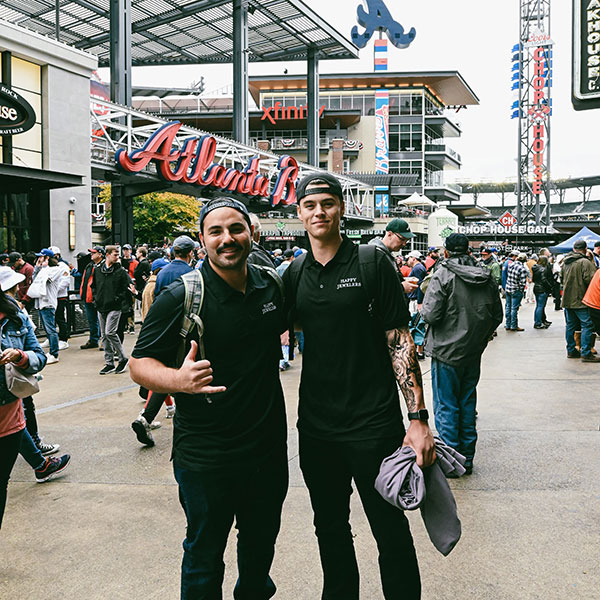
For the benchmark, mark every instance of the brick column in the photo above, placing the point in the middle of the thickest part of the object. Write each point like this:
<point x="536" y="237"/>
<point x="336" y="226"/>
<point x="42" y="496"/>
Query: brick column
<point x="337" y="156"/>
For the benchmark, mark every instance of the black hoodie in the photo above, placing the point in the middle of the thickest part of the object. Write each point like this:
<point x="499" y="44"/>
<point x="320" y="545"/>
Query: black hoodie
<point x="110" y="287"/>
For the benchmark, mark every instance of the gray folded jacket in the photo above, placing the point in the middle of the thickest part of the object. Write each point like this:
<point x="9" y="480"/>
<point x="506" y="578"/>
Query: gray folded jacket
<point x="402" y="483"/>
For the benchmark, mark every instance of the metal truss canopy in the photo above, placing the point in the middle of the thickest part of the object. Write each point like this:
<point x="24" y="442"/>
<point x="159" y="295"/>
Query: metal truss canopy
<point x="114" y="126"/>
<point x="166" y="32"/>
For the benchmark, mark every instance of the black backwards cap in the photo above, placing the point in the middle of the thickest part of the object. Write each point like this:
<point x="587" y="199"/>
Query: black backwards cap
<point x="224" y="203"/>
<point x="325" y="184"/>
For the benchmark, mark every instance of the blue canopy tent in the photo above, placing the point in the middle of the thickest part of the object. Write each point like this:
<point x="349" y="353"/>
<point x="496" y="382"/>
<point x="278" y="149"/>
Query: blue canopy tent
<point x="584" y="234"/>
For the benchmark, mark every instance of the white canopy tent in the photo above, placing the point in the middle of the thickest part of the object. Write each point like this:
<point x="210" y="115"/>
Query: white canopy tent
<point x="418" y="200"/>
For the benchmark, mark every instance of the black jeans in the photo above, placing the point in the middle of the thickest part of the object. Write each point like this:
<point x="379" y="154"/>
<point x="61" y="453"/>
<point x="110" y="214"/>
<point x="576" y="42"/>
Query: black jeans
<point x="329" y="468"/>
<point x="62" y="319"/>
<point x="30" y="418"/>
<point x="9" y="450"/>
<point x="211" y="500"/>
<point x="153" y="405"/>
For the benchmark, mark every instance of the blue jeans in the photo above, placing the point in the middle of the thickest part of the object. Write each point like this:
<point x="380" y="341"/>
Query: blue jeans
<point x="454" y="404"/>
<point x="540" y="305"/>
<point x="92" y="316"/>
<point x="29" y="451"/>
<point x="513" y="302"/>
<point x="579" y="319"/>
<point x="211" y="500"/>
<point x="48" y="318"/>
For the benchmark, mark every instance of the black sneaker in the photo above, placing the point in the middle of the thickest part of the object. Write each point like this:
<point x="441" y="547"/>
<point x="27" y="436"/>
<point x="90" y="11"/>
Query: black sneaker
<point x="121" y="366"/>
<point x="107" y="369"/>
<point x="574" y="354"/>
<point x="142" y="431"/>
<point x="88" y="345"/>
<point x="52" y="466"/>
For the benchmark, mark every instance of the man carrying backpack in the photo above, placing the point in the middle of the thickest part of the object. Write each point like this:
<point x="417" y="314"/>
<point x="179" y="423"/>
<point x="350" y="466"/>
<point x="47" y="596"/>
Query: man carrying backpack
<point x="352" y="309"/>
<point x="229" y="436"/>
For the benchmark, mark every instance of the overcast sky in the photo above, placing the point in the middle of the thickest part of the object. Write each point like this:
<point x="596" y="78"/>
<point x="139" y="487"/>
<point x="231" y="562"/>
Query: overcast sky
<point x="474" y="37"/>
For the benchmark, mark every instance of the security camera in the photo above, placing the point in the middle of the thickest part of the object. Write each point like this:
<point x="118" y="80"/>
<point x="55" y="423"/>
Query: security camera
<point x="72" y="199"/>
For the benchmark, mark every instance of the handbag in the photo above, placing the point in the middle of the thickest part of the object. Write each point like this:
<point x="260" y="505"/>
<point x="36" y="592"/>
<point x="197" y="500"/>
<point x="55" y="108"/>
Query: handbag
<point x="20" y="384"/>
<point x="38" y="287"/>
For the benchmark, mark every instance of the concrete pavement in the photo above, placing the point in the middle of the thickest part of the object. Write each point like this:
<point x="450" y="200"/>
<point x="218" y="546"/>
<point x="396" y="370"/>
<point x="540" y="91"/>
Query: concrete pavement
<point x="112" y="527"/>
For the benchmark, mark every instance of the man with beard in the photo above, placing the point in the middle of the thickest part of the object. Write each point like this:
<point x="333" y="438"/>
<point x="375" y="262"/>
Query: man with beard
<point x="229" y="439"/>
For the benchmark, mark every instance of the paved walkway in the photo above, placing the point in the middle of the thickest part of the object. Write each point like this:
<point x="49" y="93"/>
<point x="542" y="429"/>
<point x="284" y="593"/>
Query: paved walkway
<point x="112" y="526"/>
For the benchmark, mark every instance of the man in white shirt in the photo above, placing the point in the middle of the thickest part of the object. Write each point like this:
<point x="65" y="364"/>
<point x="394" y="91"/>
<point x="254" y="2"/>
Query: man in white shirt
<point x="53" y="272"/>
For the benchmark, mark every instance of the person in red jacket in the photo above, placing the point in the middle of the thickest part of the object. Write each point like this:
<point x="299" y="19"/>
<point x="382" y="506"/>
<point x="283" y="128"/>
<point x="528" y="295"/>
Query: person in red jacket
<point x="97" y="254"/>
<point x="20" y="266"/>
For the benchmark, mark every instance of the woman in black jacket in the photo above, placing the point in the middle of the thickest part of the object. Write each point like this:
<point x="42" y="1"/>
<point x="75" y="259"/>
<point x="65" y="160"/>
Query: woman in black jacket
<point x="543" y="281"/>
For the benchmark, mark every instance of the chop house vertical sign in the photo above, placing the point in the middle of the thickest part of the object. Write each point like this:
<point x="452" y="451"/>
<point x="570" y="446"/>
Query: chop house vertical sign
<point x="586" y="54"/>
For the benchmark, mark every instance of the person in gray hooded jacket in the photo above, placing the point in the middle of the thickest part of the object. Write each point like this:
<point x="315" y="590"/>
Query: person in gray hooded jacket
<point x="462" y="308"/>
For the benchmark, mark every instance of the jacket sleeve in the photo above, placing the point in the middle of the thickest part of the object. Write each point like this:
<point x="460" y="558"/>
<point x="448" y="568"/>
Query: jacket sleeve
<point x="433" y="309"/>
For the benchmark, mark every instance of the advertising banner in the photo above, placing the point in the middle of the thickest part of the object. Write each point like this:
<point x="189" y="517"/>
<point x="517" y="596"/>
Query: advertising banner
<point x="382" y="145"/>
<point x="586" y="54"/>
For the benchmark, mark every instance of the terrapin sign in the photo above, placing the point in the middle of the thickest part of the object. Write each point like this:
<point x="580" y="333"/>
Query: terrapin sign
<point x="586" y="54"/>
<point x="194" y="164"/>
<point x="16" y="114"/>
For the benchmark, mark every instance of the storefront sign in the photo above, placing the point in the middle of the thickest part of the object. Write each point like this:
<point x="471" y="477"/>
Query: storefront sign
<point x="496" y="229"/>
<point x="194" y="164"/>
<point x="16" y="114"/>
<point x="586" y="54"/>
<point x="284" y="113"/>
<point x="507" y="219"/>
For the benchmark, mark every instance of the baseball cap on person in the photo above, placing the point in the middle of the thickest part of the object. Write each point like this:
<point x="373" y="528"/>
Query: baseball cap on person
<point x="522" y="257"/>
<point x="127" y="247"/>
<point x="184" y="242"/>
<point x="9" y="278"/>
<point x="580" y="245"/>
<point x="54" y="249"/>
<point x="224" y="202"/>
<point x="485" y="251"/>
<point x="298" y="253"/>
<point x="457" y="242"/>
<point x="400" y="227"/>
<point x="597" y="244"/>
<point x="321" y="183"/>
<point x="414" y="254"/>
<point x="13" y="257"/>
<point x="45" y="252"/>
<point x="513" y="253"/>
<point x="288" y="254"/>
<point x="159" y="263"/>
<point x="98" y="249"/>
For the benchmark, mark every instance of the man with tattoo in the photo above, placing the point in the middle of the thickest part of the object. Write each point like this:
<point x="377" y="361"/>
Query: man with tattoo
<point x="357" y="351"/>
<point x="462" y="307"/>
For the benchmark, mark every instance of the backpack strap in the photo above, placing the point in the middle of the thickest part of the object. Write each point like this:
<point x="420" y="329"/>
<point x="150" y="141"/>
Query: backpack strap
<point x="367" y="264"/>
<point x="276" y="276"/>
<point x="294" y="271"/>
<point x="193" y="284"/>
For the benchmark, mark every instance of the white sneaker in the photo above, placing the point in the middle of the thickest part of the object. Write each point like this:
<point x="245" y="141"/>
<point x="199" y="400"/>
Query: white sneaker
<point x="45" y="343"/>
<point x="155" y="425"/>
<point x="51" y="359"/>
<point x="170" y="412"/>
<point x="62" y="345"/>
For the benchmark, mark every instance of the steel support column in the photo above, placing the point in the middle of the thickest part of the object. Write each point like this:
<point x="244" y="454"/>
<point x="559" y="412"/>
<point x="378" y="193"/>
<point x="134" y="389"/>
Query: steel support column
<point x="7" y="145"/>
<point x="240" y="71"/>
<point x="312" y="97"/>
<point x="120" y="92"/>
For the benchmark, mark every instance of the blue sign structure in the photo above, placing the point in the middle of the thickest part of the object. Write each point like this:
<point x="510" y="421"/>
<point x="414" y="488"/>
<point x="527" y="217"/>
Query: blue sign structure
<point x="379" y="19"/>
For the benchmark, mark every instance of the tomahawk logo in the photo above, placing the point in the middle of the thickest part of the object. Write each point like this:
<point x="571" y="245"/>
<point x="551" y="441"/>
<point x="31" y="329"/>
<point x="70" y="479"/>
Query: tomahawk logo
<point x="379" y="19"/>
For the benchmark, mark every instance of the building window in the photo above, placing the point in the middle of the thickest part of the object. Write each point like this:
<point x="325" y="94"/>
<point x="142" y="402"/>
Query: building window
<point x="407" y="137"/>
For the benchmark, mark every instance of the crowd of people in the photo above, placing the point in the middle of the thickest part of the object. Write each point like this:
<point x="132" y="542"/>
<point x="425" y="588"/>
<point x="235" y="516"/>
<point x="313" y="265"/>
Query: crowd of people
<point x="229" y="435"/>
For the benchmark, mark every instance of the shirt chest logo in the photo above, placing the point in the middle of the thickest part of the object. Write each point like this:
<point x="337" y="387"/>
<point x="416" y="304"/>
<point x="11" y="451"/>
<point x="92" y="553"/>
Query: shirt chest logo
<point x="268" y="307"/>
<point x="349" y="282"/>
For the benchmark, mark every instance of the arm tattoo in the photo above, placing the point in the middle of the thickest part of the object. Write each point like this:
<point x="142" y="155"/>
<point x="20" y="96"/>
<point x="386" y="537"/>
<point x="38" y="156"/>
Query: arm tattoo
<point x="406" y="367"/>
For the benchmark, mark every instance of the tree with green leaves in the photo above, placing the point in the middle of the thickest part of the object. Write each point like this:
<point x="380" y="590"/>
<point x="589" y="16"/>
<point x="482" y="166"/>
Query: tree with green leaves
<point x="158" y="215"/>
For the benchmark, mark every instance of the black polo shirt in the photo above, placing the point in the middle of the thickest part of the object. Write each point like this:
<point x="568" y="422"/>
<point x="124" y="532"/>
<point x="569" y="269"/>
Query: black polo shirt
<point x="246" y="423"/>
<point x="348" y="390"/>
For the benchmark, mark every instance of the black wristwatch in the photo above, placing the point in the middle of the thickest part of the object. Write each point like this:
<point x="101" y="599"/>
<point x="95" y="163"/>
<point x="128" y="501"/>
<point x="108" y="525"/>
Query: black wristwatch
<point x="420" y="415"/>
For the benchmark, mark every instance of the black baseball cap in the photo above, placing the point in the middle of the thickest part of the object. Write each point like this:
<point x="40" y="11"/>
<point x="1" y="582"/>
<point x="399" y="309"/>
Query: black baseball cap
<point x="400" y="227"/>
<point x="224" y="202"/>
<point x="324" y="183"/>
<point x="457" y="242"/>
<point x="13" y="257"/>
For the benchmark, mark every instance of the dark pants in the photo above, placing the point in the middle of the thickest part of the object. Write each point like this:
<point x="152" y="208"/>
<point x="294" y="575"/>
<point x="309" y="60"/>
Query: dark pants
<point x="9" y="450"/>
<point x="92" y="316"/>
<point x="329" y="467"/>
<point x="155" y="401"/>
<point x="30" y="418"/>
<point x="62" y="319"/>
<point x="595" y="317"/>
<point x="454" y="404"/>
<point x="211" y="500"/>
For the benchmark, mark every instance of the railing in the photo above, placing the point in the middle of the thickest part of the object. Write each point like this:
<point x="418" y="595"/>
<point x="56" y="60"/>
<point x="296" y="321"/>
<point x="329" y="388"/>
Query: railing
<point x="441" y="147"/>
<point x="440" y="112"/>
<point x="115" y="127"/>
<point x="436" y="179"/>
